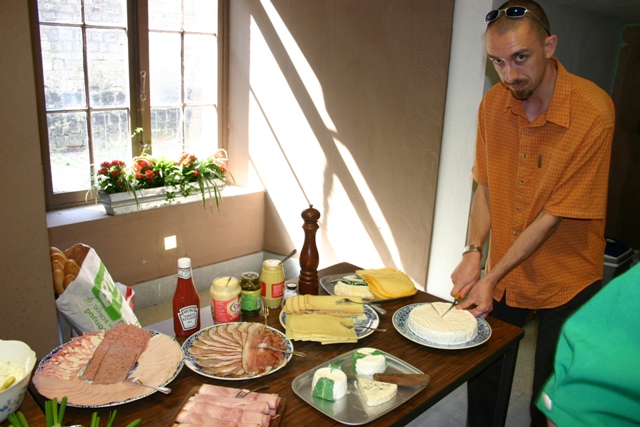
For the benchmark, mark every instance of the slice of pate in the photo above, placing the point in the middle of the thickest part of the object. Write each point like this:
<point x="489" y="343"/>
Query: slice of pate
<point x="376" y="392"/>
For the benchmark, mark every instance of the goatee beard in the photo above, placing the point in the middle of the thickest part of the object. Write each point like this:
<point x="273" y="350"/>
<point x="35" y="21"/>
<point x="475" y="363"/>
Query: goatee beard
<point x="522" y="94"/>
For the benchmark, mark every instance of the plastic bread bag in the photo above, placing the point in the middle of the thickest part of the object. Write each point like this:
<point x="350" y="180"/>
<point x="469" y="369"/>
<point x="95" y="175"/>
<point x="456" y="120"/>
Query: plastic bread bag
<point x="93" y="301"/>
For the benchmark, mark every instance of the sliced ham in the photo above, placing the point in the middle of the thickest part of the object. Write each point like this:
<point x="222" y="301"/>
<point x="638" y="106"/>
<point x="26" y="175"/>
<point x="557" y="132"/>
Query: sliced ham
<point x="188" y="417"/>
<point x="224" y="413"/>
<point x="212" y="390"/>
<point x="234" y="402"/>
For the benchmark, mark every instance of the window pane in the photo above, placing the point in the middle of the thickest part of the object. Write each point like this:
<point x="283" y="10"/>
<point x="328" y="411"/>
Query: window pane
<point x="62" y="67"/>
<point x="165" y="74"/>
<point x="111" y="139"/>
<point x="107" y="56"/>
<point x="165" y="15"/>
<point x="201" y="130"/>
<point x="166" y="135"/>
<point x="200" y="69"/>
<point x="69" y="152"/>
<point x="60" y="11"/>
<point x="201" y="16"/>
<point x="112" y="13"/>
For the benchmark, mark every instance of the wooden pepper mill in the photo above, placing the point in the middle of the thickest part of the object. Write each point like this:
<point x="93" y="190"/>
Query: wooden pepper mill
<point x="308" y="281"/>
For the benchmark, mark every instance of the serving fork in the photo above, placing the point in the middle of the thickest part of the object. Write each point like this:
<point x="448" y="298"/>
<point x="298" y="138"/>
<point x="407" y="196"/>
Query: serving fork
<point x="346" y="325"/>
<point x="295" y="353"/>
<point x="264" y="312"/>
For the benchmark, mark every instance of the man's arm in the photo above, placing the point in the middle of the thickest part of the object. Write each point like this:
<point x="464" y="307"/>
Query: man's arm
<point x="527" y="243"/>
<point x="467" y="273"/>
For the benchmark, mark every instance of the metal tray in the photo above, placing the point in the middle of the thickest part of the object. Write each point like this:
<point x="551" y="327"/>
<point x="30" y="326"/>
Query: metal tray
<point x="328" y="283"/>
<point x="352" y="409"/>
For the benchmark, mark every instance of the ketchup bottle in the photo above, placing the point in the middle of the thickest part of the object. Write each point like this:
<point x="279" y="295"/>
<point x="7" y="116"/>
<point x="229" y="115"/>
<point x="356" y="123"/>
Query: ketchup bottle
<point x="186" y="302"/>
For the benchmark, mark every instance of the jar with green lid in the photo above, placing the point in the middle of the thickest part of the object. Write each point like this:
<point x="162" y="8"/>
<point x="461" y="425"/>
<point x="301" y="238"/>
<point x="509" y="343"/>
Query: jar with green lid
<point x="250" y="285"/>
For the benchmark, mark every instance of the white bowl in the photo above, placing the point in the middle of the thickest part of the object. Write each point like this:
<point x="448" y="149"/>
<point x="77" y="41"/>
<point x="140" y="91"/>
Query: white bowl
<point x="20" y="354"/>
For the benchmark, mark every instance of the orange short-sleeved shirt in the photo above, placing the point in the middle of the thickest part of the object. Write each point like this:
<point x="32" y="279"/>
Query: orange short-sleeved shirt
<point x="558" y="164"/>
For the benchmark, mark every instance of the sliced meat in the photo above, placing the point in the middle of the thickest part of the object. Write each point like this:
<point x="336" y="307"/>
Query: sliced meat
<point x="223" y="413"/>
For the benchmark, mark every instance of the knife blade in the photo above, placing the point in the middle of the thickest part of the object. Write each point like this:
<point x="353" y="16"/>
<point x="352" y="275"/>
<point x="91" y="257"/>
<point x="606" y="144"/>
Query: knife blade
<point x="453" y="304"/>
<point x="406" y="380"/>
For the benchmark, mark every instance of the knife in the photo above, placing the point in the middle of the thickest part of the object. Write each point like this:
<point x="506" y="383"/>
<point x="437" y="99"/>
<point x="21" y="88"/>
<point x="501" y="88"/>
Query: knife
<point x="407" y="380"/>
<point x="453" y="304"/>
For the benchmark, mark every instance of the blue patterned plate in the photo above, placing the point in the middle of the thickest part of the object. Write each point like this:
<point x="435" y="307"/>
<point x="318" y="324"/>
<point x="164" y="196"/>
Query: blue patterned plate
<point x="109" y="399"/>
<point x="369" y="319"/>
<point x="192" y="362"/>
<point x="401" y="316"/>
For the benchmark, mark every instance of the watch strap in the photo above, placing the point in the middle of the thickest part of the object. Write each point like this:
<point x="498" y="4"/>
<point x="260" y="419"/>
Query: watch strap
<point x="472" y="248"/>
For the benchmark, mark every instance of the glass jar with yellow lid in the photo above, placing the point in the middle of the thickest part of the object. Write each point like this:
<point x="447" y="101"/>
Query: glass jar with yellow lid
<point x="226" y="298"/>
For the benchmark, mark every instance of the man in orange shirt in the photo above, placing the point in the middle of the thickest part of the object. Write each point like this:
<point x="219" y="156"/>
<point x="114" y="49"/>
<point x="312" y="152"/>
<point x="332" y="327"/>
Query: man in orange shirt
<point x="542" y="166"/>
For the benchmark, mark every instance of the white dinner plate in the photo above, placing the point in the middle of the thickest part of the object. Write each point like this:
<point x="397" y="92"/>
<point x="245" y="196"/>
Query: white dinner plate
<point x="192" y="362"/>
<point x="400" y="323"/>
<point x="369" y="319"/>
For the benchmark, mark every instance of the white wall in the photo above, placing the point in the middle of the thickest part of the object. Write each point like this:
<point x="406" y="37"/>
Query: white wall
<point x="455" y="182"/>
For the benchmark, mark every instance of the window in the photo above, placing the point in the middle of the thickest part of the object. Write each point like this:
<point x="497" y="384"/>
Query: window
<point x="112" y="66"/>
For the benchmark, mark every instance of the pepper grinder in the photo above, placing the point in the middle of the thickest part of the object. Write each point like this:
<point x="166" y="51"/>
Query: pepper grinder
<point x="308" y="281"/>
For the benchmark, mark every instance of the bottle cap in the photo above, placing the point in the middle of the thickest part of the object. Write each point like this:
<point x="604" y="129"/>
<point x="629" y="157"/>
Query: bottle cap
<point x="292" y="286"/>
<point x="184" y="262"/>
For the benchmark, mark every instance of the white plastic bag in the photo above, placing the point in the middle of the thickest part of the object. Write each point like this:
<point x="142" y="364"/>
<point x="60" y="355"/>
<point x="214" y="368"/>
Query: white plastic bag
<point x="93" y="301"/>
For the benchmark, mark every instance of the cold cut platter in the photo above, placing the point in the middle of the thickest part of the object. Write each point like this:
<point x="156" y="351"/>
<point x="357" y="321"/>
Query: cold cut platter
<point x="232" y="351"/>
<point x="58" y="373"/>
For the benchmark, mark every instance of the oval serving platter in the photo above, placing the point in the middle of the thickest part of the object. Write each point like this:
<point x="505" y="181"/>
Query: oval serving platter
<point x="400" y="323"/>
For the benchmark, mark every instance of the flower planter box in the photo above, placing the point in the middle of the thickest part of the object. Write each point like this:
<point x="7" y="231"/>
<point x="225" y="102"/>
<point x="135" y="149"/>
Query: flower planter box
<point x="151" y="198"/>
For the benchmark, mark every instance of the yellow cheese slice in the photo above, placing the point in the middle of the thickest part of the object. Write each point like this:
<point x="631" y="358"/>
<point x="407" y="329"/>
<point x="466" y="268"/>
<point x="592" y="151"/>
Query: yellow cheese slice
<point x="388" y="283"/>
<point x="323" y="304"/>
<point x="319" y="327"/>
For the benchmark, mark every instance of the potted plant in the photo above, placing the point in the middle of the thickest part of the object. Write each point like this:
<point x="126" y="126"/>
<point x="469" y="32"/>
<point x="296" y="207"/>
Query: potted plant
<point x="153" y="182"/>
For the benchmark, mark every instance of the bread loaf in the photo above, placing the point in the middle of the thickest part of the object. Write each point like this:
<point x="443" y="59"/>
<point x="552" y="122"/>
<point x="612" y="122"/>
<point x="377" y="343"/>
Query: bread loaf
<point x="65" y="265"/>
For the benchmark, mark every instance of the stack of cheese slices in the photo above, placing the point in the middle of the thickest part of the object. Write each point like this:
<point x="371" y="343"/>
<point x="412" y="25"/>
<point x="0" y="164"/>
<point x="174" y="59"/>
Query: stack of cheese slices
<point x="321" y="319"/>
<point x="387" y="283"/>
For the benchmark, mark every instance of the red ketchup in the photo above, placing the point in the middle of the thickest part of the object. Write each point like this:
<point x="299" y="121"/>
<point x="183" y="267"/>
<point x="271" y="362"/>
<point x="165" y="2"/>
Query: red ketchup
<point x="186" y="302"/>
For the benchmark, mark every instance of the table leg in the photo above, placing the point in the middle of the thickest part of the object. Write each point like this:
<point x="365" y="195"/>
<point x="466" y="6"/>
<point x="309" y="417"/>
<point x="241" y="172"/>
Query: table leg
<point x="504" y="387"/>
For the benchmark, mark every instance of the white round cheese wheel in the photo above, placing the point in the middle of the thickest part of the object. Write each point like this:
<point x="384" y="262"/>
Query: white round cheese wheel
<point x="456" y="327"/>
<point x="365" y="363"/>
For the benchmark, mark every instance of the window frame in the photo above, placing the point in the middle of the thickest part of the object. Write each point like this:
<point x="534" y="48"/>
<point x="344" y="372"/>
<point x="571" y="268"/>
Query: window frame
<point x="137" y="12"/>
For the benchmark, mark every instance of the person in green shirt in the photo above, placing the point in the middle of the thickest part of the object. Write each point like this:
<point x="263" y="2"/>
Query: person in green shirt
<point x="596" y="377"/>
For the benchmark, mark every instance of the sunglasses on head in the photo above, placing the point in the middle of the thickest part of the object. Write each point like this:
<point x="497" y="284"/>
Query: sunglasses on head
<point x="514" y="12"/>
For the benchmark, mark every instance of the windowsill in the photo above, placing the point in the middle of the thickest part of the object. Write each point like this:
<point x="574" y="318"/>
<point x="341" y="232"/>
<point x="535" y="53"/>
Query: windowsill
<point x="96" y="212"/>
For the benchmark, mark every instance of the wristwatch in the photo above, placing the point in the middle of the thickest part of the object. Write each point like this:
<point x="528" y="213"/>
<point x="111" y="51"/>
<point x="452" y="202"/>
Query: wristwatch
<point x="472" y="248"/>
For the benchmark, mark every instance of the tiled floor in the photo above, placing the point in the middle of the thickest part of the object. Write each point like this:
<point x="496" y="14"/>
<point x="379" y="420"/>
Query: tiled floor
<point x="451" y="411"/>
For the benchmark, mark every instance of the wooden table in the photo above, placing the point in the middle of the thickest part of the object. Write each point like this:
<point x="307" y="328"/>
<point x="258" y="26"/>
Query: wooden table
<point x="448" y="370"/>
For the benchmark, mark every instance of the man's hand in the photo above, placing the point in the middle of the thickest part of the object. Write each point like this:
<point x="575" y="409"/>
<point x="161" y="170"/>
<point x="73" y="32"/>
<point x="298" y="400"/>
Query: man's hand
<point x="466" y="274"/>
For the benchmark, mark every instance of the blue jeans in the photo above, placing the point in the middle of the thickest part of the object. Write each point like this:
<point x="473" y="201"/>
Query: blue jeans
<point x="483" y="388"/>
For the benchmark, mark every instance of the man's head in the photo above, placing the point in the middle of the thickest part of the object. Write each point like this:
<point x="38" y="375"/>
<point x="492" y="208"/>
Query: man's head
<point x="519" y="45"/>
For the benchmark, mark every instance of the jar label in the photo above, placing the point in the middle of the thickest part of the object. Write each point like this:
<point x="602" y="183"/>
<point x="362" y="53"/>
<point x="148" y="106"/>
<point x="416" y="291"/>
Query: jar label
<point x="226" y="311"/>
<point x="272" y="290"/>
<point x="188" y="316"/>
<point x="250" y="301"/>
